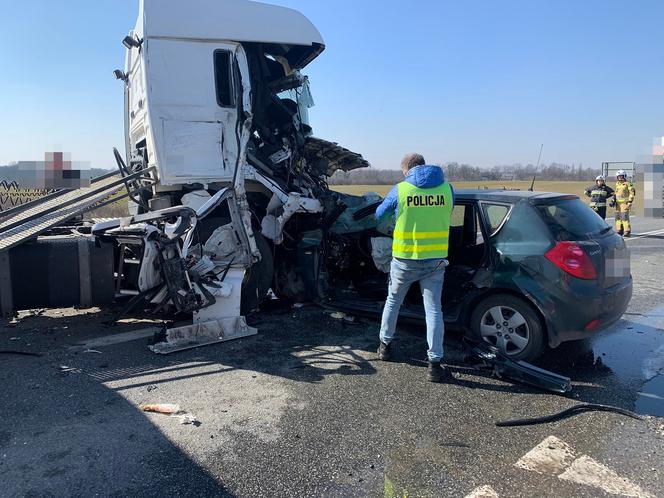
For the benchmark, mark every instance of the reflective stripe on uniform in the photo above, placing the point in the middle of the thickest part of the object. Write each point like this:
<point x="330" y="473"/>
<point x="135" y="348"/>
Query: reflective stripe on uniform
<point x="419" y="235"/>
<point x="399" y="247"/>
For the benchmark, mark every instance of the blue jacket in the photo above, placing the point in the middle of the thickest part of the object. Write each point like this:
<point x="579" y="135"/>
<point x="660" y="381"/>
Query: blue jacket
<point x="424" y="176"/>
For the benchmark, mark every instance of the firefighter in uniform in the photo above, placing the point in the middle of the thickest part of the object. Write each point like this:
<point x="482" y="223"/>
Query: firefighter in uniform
<point x="599" y="194"/>
<point x="623" y="199"/>
<point x="423" y="205"/>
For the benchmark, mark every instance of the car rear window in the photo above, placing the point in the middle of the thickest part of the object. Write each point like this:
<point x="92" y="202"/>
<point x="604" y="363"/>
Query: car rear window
<point x="571" y="219"/>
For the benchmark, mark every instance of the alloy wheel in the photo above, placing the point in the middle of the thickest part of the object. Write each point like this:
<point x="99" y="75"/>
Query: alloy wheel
<point x="505" y="328"/>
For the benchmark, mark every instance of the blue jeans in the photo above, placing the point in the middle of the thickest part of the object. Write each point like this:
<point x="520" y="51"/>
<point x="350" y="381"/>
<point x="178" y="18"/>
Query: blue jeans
<point x="430" y="273"/>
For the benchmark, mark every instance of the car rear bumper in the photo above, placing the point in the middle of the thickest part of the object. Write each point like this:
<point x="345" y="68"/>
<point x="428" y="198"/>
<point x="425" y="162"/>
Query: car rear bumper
<point x="583" y="316"/>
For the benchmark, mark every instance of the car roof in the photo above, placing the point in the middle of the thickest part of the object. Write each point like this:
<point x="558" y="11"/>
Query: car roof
<point x="511" y="196"/>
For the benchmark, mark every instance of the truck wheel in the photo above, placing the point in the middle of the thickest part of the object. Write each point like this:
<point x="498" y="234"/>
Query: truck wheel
<point x="510" y="324"/>
<point x="258" y="279"/>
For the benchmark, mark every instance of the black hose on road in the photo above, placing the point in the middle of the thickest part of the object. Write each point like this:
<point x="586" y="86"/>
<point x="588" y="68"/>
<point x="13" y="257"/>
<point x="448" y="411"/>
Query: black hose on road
<point x="20" y="353"/>
<point x="569" y="412"/>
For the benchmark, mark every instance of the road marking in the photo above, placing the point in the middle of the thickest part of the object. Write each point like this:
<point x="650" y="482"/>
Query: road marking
<point x="645" y="234"/>
<point x="654" y="364"/>
<point x="557" y="458"/>
<point x="483" y="492"/>
<point x="551" y="456"/>
<point x="109" y="340"/>
<point x="584" y="470"/>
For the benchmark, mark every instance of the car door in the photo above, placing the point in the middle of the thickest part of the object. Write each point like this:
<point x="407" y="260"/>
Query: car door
<point x="463" y="232"/>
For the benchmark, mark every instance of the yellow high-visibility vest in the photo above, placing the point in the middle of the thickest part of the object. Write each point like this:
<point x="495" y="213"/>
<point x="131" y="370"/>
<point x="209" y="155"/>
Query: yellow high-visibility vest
<point x="422" y="229"/>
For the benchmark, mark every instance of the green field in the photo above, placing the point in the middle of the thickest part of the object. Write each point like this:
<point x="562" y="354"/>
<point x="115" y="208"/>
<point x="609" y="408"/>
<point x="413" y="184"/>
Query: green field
<point x="541" y="186"/>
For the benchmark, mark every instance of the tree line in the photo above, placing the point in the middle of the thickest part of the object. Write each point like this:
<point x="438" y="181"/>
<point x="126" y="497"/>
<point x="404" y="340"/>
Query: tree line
<point x="465" y="172"/>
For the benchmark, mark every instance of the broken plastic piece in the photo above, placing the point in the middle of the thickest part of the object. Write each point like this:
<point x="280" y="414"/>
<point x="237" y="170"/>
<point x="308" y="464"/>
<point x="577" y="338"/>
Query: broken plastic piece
<point x="187" y="419"/>
<point x="520" y="371"/>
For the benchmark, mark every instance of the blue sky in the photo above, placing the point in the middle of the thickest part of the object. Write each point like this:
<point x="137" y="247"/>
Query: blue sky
<point x="481" y="82"/>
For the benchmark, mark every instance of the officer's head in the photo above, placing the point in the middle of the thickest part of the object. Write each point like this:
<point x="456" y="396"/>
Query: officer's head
<point x="599" y="180"/>
<point x="409" y="161"/>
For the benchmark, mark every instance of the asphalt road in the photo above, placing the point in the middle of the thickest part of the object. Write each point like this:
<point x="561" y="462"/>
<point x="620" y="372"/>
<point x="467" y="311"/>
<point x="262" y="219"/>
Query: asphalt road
<point x="304" y="409"/>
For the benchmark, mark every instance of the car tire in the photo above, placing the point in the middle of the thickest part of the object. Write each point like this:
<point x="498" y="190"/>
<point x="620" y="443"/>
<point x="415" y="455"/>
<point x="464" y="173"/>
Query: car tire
<point x="520" y="334"/>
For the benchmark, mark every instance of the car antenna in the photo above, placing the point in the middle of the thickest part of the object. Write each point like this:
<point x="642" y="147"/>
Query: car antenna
<point x="532" y="185"/>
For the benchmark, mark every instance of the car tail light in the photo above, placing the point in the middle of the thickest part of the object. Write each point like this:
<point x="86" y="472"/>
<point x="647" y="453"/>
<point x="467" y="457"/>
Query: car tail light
<point x="592" y="325"/>
<point x="569" y="257"/>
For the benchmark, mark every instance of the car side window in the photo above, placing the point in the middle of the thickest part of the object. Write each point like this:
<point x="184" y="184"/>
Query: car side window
<point x="495" y="214"/>
<point x="458" y="215"/>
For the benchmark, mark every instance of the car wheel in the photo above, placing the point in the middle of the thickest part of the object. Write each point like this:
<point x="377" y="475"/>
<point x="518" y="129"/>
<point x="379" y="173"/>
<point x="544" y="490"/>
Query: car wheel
<point x="510" y="324"/>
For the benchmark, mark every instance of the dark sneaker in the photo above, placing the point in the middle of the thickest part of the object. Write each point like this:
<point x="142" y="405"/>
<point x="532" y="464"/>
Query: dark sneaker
<point x="628" y="234"/>
<point x="384" y="352"/>
<point x="619" y="232"/>
<point x="436" y="372"/>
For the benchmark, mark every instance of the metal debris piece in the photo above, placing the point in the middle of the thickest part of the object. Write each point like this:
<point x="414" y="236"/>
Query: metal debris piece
<point x="520" y="371"/>
<point x="202" y="334"/>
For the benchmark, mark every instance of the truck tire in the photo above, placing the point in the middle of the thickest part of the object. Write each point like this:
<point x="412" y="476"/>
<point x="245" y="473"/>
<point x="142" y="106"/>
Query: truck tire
<point x="510" y="324"/>
<point x="258" y="279"/>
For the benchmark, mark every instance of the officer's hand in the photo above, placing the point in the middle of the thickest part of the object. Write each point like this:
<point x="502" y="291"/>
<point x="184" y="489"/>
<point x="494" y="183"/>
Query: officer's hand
<point x="629" y="205"/>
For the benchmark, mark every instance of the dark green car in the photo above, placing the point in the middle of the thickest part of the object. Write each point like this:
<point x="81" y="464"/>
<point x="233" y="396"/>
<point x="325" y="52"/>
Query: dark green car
<point x="527" y="269"/>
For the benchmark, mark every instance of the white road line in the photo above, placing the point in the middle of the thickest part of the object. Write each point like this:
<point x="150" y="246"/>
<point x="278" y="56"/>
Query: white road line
<point x="551" y="457"/>
<point x="645" y="234"/>
<point x="653" y="365"/>
<point x="584" y="470"/>
<point x="483" y="492"/>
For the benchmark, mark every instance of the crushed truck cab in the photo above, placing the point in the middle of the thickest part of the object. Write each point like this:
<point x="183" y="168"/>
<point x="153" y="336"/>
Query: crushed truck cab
<point x="216" y="108"/>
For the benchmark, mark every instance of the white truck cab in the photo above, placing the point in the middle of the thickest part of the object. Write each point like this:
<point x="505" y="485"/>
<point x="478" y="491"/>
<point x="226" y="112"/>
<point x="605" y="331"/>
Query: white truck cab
<point x="189" y="90"/>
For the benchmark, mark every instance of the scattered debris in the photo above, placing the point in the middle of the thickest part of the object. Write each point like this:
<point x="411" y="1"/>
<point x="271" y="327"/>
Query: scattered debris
<point x="187" y="419"/>
<point x="505" y="367"/>
<point x="172" y="410"/>
<point x="68" y="369"/>
<point x="92" y="351"/>
<point x="165" y="408"/>
<point x="338" y="315"/>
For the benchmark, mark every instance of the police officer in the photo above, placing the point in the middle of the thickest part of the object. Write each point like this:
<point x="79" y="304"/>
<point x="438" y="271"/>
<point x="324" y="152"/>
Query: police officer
<point x="623" y="199"/>
<point x="423" y="204"/>
<point x="599" y="194"/>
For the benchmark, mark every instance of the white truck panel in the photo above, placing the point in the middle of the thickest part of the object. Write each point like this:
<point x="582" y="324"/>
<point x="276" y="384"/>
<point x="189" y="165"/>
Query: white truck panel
<point x="237" y="20"/>
<point x="195" y="137"/>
